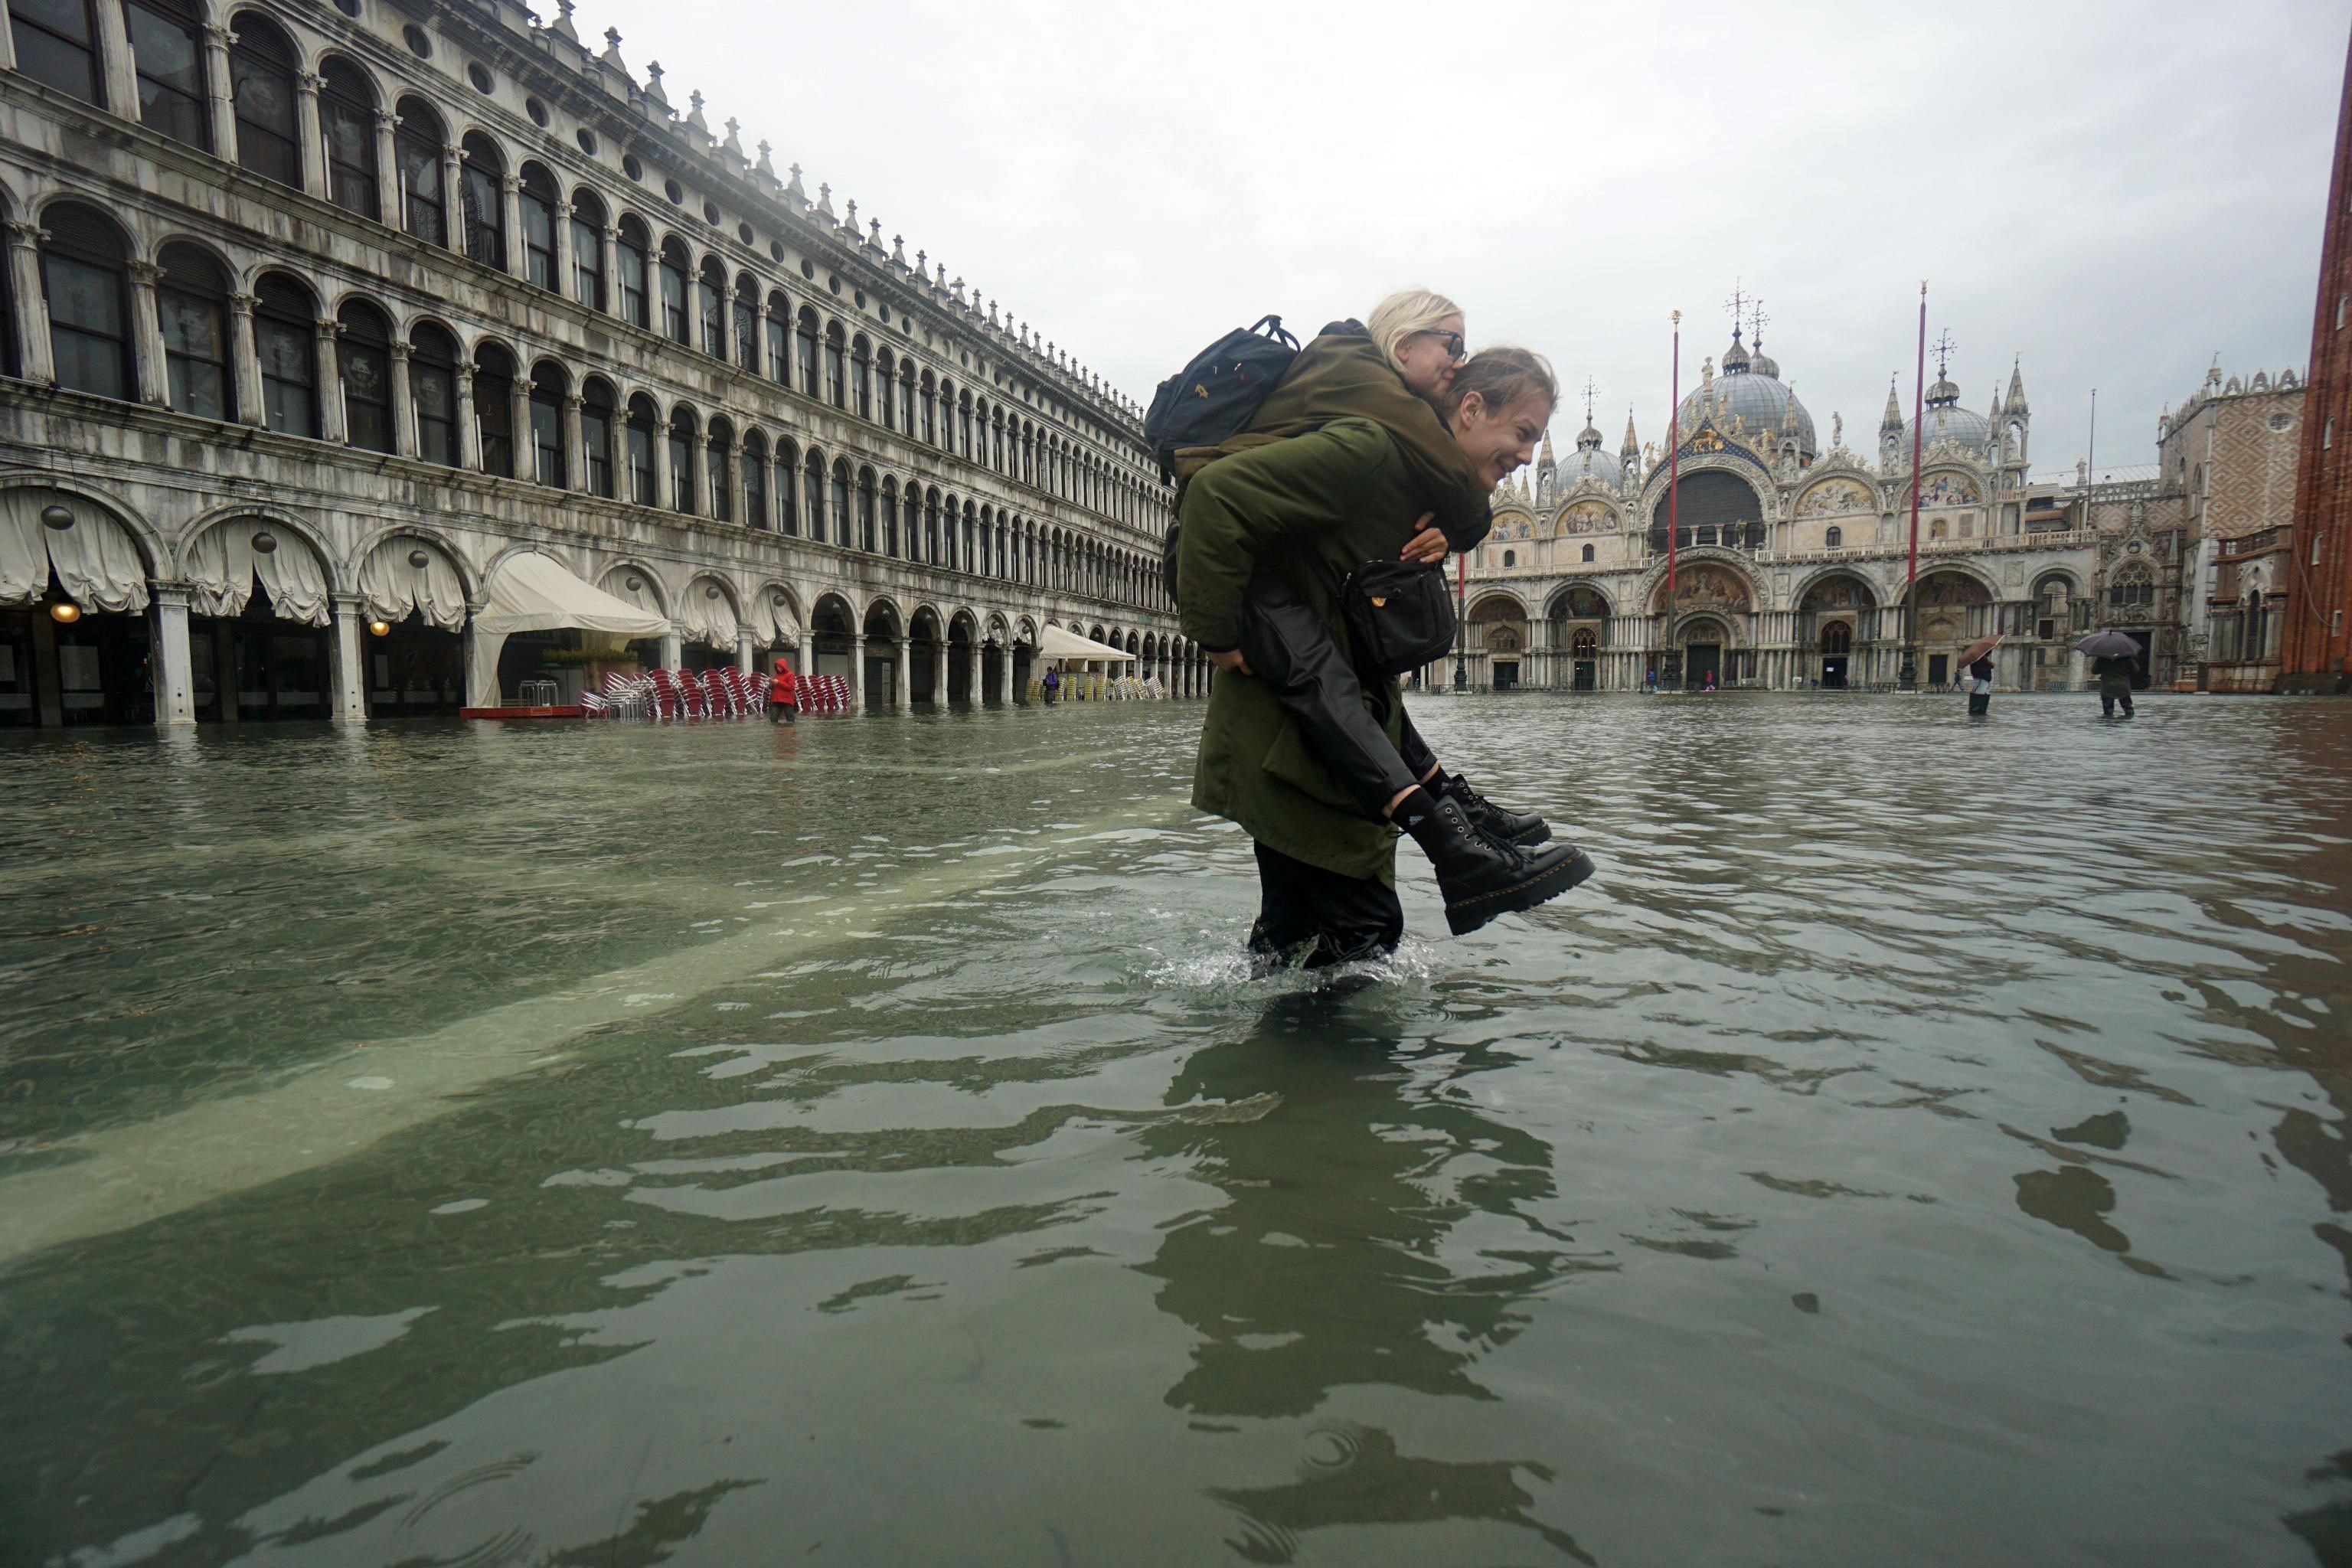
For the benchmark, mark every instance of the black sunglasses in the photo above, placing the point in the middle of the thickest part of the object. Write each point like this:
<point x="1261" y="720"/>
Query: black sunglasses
<point x="1454" y="347"/>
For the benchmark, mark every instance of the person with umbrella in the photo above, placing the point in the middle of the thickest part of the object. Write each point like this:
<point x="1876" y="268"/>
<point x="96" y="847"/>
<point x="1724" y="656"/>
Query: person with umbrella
<point x="2113" y="655"/>
<point x="1977" y="659"/>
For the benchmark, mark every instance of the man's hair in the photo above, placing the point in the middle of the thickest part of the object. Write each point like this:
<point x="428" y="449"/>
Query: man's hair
<point x="1403" y="313"/>
<point x="1502" y="376"/>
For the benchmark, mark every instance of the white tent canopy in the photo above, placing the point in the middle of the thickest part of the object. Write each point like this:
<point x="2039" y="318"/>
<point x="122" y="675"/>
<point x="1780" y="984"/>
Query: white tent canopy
<point x="96" y="564"/>
<point x="534" y="592"/>
<point x="1060" y="642"/>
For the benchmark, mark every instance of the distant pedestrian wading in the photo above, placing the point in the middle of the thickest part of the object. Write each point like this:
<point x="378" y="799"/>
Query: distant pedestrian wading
<point x="783" y="695"/>
<point x="1308" y="568"/>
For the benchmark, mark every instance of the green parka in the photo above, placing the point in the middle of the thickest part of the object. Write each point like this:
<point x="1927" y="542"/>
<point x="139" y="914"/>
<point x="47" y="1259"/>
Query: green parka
<point x="1315" y="506"/>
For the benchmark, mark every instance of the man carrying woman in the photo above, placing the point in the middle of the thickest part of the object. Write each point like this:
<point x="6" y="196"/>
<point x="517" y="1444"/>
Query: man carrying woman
<point x="1314" y="758"/>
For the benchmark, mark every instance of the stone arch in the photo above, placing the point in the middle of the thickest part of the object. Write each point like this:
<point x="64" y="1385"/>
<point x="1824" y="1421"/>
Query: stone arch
<point x="337" y="567"/>
<point x="650" y="592"/>
<point x="998" y="629"/>
<point x="1558" y="608"/>
<point x="144" y="536"/>
<point x="470" y="578"/>
<point x="1491" y="599"/>
<point x="776" y="614"/>
<point x="1823" y="576"/>
<point x="885" y="610"/>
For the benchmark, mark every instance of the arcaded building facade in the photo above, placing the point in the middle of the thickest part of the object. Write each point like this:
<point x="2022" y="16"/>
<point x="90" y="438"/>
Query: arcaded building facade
<point x="317" y="314"/>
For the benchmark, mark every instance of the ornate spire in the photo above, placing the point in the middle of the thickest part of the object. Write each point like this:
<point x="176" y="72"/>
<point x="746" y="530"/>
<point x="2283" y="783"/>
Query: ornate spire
<point x="2017" y="386"/>
<point x="1632" y="449"/>
<point x="1893" y="421"/>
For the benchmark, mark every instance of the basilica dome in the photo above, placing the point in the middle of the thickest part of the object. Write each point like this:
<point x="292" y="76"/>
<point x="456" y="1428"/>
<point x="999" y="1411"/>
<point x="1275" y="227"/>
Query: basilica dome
<point x="1588" y="462"/>
<point x="1946" y="420"/>
<point x="1757" y="400"/>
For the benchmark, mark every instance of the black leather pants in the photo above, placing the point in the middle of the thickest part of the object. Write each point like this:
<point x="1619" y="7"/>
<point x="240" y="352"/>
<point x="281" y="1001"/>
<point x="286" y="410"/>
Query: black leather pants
<point x="1290" y="650"/>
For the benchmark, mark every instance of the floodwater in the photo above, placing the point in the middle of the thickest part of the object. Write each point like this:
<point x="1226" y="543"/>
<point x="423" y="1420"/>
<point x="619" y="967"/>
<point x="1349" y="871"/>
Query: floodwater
<point x="1920" y="1144"/>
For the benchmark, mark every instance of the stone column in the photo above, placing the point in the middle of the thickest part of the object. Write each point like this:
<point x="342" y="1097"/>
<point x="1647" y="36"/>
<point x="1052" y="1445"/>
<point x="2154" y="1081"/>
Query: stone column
<point x="673" y="649"/>
<point x="453" y="197"/>
<point x="313" y="134"/>
<point x="7" y="46"/>
<point x="333" y="426"/>
<point x="349" y="686"/>
<point x="526" y="442"/>
<point x="699" y="487"/>
<point x="387" y="171"/>
<point x="562" y="279"/>
<point x="806" y="653"/>
<point x="404" y="404"/>
<point x="116" y="69"/>
<point x="902" y="692"/>
<point x="857" y="672"/>
<point x="661" y="467"/>
<point x="147" y="334"/>
<point x="746" y="654"/>
<point x="469" y="434"/>
<point x="611" y="253"/>
<point x="574" y="454"/>
<point x="218" y="110"/>
<point x="245" y="361"/>
<point x="973" y="676"/>
<point x="1004" y="676"/>
<point x="31" y="302"/>
<point x="175" y="674"/>
<point x="938" y="674"/>
<point x="510" y="219"/>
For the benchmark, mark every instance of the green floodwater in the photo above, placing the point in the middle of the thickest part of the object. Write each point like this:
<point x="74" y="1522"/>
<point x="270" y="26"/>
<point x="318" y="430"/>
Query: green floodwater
<point x="1922" y="1142"/>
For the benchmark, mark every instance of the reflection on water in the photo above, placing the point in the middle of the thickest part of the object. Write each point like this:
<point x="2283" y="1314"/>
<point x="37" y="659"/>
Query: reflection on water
<point x="1921" y="1143"/>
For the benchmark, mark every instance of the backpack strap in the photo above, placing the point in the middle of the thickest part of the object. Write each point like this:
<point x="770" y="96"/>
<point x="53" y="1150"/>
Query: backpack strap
<point x="1278" y="335"/>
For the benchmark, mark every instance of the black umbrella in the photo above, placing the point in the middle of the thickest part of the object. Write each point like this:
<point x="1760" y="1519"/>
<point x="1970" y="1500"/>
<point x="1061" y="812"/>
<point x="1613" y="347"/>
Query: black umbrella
<point x="2109" y="645"/>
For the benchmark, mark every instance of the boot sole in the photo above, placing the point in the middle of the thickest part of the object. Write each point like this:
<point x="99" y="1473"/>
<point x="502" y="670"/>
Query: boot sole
<point x="1470" y="913"/>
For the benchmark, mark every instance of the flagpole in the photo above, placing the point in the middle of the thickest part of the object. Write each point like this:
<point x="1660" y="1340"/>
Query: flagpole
<point x="1674" y="466"/>
<point x="1910" y="677"/>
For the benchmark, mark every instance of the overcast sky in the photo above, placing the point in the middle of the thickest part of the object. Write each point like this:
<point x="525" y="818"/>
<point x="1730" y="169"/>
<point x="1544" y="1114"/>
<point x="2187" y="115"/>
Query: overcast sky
<point x="2116" y="192"/>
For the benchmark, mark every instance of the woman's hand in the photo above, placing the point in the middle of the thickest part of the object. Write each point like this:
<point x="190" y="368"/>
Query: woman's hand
<point x="1231" y="662"/>
<point x="1427" y="545"/>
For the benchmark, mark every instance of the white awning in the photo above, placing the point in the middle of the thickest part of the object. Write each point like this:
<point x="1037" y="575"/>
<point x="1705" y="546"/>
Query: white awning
<point x="1060" y="642"/>
<point x="532" y="593"/>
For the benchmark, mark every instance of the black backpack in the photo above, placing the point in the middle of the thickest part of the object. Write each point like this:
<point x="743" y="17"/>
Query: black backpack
<point x="1211" y="400"/>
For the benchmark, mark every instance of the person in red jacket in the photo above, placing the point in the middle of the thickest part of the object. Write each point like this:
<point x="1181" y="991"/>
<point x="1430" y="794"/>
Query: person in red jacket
<point x="783" y="695"/>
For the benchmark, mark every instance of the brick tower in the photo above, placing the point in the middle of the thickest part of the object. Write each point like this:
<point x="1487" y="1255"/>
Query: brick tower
<point x="2316" y="652"/>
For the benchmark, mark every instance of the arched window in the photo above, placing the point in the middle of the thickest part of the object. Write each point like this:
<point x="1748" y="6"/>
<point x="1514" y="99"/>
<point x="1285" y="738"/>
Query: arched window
<point x="494" y="376"/>
<point x="755" y="481"/>
<point x="807" y="322"/>
<point x="788" y="485"/>
<point x="780" y="334"/>
<point x="963" y="415"/>
<point x="166" y="47"/>
<point x="907" y="396"/>
<point x="596" y="436"/>
<point x="1587" y="556"/>
<point x="57" y="46"/>
<point x="363" y="363"/>
<point x="191" y="299"/>
<point x="261" y="87"/>
<point x="548" y="390"/>
<point x="839" y="499"/>
<point x="681" y="460"/>
<point x="588" y="249"/>
<point x="970" y="528"/>
<point x="636" y="304"/>
<point x="747" y="322"/>
<point x="417" y="150"/>
<point x="480" y="186"/>
<point x="677" y="325"/>
<point x="347" y="120"/>
<point x="1510" y="559"/>
<point x="285" y="334"/>
<point x="996" y="434"/>
<point x="890" y="518"/>
<point x="433" y="389"/>
<point x="930" y="425"/>
<point x="644" y="489"/>
<point x="932" y="525"/>
<point x="812" y="491"/>
<point x="837" y="370"/>
<point x="861" y="375"/>
<point x="538" y="199"/>
<point x="869" y="537"/>
<point x="718" y="460"/>
<point x="886" y="377"/>
<point x="712" y="298"/>
<point x="89" y="305"/>
<point x="1833" y="537"/>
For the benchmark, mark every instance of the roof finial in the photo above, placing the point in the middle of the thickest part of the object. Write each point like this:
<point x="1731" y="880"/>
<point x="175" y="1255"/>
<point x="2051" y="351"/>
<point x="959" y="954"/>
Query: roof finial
<point x="694" y="115"/>
<point x="654" y="84"/>
<point x="899" y="251"/>
<point x="798" y="192"/>
<point x="734" y="142"/>
<point x="767" y="165"/>
<point x="825" y="199"/>
<point x="612" y="55"/>
<point x="1943" y="345"/>
<point x="564" y="20"/>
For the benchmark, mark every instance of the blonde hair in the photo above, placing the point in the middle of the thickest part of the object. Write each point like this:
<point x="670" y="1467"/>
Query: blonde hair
<point x="1403" y="313"/>
<point x="1501" y="376"/>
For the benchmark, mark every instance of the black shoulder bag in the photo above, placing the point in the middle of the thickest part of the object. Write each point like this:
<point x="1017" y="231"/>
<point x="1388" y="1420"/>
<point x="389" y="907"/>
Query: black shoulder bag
<point x="1398" y="615"/>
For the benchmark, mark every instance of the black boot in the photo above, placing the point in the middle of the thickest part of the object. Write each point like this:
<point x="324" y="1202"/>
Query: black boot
<point x="1503" y="827"/>
<point x="1479" y="878"/>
